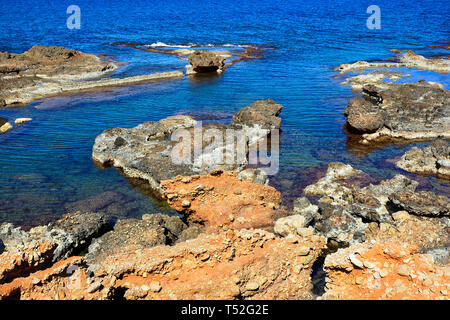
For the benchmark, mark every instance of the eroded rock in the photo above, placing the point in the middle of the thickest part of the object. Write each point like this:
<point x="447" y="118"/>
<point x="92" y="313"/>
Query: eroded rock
<point x="434" y="159"/>
<point x="405" y="111"/>
<point x="388" y="270"/>
<point x="220" y="199"/>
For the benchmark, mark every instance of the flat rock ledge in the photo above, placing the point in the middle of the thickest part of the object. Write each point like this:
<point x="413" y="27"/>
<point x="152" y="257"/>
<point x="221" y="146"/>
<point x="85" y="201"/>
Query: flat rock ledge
<point x="48" y="71"/>
<point x="405" y="60"/>
<point x="410" y="111"/>
<point x="434" y="159"/>
<point x="148" y="150"/>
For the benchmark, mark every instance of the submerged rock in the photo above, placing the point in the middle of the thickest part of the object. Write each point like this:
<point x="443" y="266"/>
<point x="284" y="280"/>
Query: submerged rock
<point x="434" y="159"/>
<point x="406" y="111"/>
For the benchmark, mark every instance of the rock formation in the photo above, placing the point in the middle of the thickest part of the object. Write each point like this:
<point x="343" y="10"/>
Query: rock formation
<point x="49" y="71"/>
<point x="148" y="152"/>
<point x="221" y="200"/>
<point x="434" y="159"/>
<point x="400" y="111"/>
<point x="203" y="61"/>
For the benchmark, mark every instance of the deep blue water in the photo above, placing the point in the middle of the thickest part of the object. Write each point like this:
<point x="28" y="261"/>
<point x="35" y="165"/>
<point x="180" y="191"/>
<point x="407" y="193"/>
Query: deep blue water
<point x="46" y="163"/>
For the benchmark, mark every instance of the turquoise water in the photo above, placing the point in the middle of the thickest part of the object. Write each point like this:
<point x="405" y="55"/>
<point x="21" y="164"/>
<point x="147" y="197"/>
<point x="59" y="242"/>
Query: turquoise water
<point x="46" y="163"/>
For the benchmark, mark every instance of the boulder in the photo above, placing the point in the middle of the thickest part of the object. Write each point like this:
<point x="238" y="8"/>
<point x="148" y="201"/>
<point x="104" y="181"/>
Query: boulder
<point x="204" y="61"/>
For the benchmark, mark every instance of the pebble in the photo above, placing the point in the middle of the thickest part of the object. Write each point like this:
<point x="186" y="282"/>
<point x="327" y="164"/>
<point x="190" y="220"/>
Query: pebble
<point x="355" y="261"/>
<point x="155" y="286"/>
<point x="94" y="287"/>
<point x="252" y="286"/>
<point x="302" y="251"/>
<point x="185" y="204"/>
<point x="404" y="270"/>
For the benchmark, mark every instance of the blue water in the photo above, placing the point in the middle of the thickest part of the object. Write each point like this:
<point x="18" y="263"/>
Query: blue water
<point x="46" y="163"/>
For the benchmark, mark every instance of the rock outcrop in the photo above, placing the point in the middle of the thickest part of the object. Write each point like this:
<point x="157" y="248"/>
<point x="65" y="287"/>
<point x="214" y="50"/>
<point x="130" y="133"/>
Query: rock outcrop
<point x="221" y="200"/>
<point x="48" y="71"/>
<point x="245" y="264"/>
<point x="4" y="125"/>
<point x="203" y="61"/>
<point x="390" y="270"/>
<point x="26" y="252"/>
<point x="156" y="151"/>
<point x="405" y="60"/>
<point x="434" y="159"/>
<point x="349" y="210"/>
<point x="400" y="111"/>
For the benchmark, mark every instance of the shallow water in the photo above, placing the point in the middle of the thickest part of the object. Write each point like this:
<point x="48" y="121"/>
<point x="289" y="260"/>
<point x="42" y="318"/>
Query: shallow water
<point x="46" y="163"/>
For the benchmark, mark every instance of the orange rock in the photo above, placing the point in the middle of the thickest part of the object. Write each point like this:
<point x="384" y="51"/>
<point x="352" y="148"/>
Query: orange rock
<point x="384" y="271"/>
<point x="22" y="261"/>
<point x="250" y="264"/>
<point x="219" y="199"/>
<point x="66" y="279"/>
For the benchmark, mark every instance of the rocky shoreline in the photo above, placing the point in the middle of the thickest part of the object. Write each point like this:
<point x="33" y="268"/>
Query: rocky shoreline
<point x="232" y="237"/>
<point x="391" y="238"/>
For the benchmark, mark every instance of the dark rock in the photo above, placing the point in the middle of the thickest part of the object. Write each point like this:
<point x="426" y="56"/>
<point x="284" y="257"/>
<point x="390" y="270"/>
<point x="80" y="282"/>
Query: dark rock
<point x="2" y="246"/>
<point x="135" y="234"/>
<point x="204" y="61"/>
<point x="74" y="232"/>
<point x="422" y="203"/>
<point x="189" y="233"/>
<point x="407" y="111"/>
<point x="3" y="121"/>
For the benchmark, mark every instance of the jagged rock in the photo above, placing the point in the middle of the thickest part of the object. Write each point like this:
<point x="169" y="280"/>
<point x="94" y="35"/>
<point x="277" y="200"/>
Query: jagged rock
<point x="219" y="266"/>
<point x="290" y="225"/>
<point x="205" y="61"/>
<point x="2" y="246"/>
<point x="421" y="203"/>
<point x="220" y="199"/>
<point x="261" y="113"/>
<point x="337" y="224"/>
<point x="134" y="234"/>
<point x="408" y="111"/>
<point x="349" y="212"/>
<point x="74" y="231"/>
<point x="434" y="159"/>
<point x="257" y="176"/>
<point x="388" y="270"/>
<point x="38" y="248"/>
